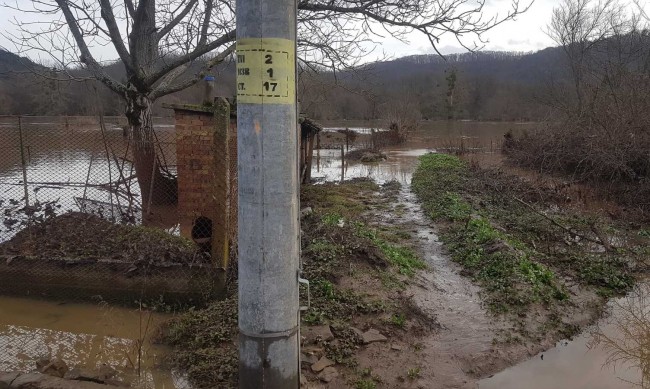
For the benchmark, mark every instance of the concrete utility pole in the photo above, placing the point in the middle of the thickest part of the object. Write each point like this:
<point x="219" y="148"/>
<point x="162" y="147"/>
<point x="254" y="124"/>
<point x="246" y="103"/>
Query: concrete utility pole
<point x="269" y="221"/>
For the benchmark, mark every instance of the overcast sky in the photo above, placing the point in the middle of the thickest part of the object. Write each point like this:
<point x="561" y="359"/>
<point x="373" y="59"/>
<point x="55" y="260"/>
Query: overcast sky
<point x="526" y="33"/>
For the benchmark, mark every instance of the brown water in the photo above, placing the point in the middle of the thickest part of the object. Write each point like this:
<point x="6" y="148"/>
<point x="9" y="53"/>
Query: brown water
<point x="588" y="361"/>
<point x="85" y="336"/>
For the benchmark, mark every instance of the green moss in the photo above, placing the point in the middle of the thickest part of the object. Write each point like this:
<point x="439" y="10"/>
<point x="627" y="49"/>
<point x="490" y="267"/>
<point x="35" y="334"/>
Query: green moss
<point x="365" y="384"/>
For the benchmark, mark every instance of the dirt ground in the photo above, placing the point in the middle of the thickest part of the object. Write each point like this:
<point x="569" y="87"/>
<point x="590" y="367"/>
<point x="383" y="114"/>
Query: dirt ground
<point x="398" y="301"/>
<point x="79" y="235"/>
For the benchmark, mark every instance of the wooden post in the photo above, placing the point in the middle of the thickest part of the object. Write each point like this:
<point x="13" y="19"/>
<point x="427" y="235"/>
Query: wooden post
<point x="310" y="157"/>
<point x="347" y="139"/>
<point x="221" y="184"/>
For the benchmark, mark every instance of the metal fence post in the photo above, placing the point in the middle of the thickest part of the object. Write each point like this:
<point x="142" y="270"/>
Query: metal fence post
<point x="22" y="160"/>
<point x="268" y="215"/>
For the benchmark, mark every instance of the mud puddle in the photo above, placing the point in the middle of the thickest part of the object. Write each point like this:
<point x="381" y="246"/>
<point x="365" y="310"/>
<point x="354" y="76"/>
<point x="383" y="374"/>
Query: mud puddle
<point x="605" y="356"/>
<point x="460" y="348"/>
<point x="85" y="336"/>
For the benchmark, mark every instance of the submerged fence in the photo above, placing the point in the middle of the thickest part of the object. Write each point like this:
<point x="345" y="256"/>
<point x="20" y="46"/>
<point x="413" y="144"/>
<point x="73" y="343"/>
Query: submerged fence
<point x="90" y="212"/>
<point x="79" y="165"/>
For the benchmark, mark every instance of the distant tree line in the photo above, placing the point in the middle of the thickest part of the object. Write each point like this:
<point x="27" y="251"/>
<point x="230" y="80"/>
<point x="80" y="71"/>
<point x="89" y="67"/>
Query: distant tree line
<point x="476" y="86"/>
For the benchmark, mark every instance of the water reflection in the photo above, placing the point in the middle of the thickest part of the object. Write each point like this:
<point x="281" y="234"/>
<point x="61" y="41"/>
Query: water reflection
<point x="399" y="166"/>
<point x="625" y="335"/>
<point x="614" y="354"/>
<point x="85" y="336"/>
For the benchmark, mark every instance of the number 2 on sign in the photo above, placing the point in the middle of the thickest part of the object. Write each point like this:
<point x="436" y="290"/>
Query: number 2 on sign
<point x="270" y="86"/>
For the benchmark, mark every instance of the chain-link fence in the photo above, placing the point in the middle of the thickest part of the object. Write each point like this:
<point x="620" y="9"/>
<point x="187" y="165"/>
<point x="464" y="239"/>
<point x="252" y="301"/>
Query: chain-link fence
<point x="101" y="227"/>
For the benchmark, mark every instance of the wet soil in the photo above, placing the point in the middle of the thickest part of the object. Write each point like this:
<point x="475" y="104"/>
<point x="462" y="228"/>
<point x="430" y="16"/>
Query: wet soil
<point x="468" y="342"/>
<point x="78" y="235"/>
<point x="459" y="346"/>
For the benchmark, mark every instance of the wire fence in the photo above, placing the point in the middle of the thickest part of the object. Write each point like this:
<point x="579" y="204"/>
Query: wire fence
<point x="92" y="219"/>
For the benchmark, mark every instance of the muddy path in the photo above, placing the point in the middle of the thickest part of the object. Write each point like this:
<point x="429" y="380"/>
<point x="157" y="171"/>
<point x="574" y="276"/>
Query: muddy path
<point x="461" y="349"/>
<point x="467" y="345"/>
<point x="466" y="329"/>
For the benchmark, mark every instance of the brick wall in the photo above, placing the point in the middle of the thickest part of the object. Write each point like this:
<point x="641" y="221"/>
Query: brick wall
<point x="206" y="152"/>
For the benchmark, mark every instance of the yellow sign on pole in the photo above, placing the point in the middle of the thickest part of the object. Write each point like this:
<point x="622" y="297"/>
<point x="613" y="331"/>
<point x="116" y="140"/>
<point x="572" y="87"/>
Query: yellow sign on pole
<point x="265" y="71"/>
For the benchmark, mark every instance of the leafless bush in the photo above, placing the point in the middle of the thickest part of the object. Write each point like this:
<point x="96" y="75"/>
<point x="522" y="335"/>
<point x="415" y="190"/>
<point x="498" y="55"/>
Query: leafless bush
<point x="601" y="132"/>
<point x="403" y="118"/>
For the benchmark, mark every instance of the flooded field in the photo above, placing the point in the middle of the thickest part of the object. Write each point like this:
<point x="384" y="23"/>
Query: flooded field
<point x="60" y="160"/>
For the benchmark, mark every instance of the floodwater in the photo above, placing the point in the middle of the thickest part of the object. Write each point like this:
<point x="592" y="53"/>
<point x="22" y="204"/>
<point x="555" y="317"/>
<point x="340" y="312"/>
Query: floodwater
<point x="604" y="356"/>
<point x="88" y="335"/>
<point x="72" y="165"/>
<point x="85" y="336"/>
<point x="63" y="163"/>
<point x="433" y="136"/>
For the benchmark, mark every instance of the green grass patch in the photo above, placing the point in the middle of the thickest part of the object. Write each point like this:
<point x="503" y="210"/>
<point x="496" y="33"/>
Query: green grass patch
<point x="337" y="242"/>
<point x="404" y="258"/>
<point x="504" y="266"/>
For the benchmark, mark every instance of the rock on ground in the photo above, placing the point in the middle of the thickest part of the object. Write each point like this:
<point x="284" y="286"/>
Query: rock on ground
<point x="44" y="381"/>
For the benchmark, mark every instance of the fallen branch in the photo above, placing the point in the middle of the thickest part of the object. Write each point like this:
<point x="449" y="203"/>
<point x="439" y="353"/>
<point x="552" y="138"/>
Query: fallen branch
<point x="608" y="247"/>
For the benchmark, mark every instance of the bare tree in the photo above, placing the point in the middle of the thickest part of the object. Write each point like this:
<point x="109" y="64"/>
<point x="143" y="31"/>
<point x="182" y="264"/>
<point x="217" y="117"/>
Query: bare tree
<point x="159" y="41"/>
<point x="600" y="132"/>
<point x="578" y="26"/>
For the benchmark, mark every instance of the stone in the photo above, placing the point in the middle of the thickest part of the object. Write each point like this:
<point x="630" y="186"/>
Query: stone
<point x="77" y="374"/>
<point x="372" y="336"/>
<point x="56" y="368"/>
<point x="43" y="381"/>
<point x="308" y="359"/>
<point x="357" y="331"/>
<point x="306" y="211"/>
<point x="318" y="334"/>
<point x="321" y="364"/>
<point x="303" y="381"/>
<point x="328" y="374"/>
<point x="7" y="378"/>
<point x="396" y="347"/>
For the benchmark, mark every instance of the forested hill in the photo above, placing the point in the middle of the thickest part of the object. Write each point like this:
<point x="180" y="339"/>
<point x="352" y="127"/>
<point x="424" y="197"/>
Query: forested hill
<point x="479" y="85"/>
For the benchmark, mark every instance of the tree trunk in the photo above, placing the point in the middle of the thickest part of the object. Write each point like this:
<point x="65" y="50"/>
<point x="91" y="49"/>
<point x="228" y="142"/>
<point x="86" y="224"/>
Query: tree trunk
<point x="155" y="187"/>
